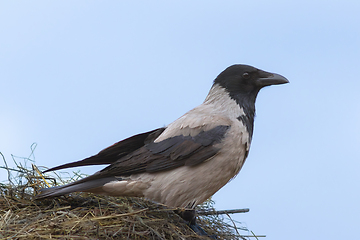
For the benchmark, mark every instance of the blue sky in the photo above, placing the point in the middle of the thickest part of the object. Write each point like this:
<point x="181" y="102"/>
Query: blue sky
<point x="77" y="76"/>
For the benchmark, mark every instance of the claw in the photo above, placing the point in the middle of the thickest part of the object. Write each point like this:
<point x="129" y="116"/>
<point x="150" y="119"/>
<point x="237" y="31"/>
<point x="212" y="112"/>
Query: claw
<point x="189" y="215"/>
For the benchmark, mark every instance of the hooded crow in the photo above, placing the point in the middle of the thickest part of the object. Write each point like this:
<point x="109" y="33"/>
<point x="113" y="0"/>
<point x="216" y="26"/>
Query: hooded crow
<point x="183" y="164"/>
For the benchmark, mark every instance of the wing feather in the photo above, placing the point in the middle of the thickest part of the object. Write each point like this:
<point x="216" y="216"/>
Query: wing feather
<point x="168" y="154"/>
<point x="116" y="151"/>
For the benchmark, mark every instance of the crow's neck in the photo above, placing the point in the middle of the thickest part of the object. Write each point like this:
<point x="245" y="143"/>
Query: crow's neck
<point x="239" y="106"/>
<point x="247" y="103"/>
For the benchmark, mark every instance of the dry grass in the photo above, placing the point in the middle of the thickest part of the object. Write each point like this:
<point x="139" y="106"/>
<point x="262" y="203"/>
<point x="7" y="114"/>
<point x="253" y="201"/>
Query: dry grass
<point x="88" y="216"/>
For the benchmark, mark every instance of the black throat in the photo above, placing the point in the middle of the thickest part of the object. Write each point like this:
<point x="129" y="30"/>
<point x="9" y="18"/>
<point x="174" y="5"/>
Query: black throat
<point x="247" y="103"/>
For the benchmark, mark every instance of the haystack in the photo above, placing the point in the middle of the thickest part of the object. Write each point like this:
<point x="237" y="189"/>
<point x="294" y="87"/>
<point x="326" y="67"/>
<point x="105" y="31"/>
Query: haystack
<point x="89" y="216"/>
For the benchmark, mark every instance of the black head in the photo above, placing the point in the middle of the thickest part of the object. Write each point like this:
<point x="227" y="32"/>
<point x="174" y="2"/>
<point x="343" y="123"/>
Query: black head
<point x="247" y="80"/>
<point x="243" y="83"/>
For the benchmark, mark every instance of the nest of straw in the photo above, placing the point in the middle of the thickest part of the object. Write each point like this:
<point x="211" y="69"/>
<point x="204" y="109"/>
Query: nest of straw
<point x="89" y="216"/>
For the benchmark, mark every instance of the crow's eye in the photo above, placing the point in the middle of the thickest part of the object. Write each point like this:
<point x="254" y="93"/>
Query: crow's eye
<point x="246" y="75"/>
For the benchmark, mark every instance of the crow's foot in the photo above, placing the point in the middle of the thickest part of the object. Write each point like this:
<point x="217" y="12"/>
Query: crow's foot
<point x="189" y="215"/>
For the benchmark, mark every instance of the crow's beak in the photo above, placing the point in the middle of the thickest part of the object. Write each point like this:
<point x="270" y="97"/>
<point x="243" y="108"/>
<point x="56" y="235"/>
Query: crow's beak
<point x="267" y="79"/>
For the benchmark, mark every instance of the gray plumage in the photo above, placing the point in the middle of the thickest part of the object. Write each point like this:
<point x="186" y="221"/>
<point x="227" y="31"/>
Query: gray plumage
<point x="185" y="163"/>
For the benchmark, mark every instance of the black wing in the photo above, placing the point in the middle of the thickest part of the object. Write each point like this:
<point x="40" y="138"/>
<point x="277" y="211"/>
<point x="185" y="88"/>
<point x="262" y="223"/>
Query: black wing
<point x="116" y="151"/>
<point x="168" y="154"/>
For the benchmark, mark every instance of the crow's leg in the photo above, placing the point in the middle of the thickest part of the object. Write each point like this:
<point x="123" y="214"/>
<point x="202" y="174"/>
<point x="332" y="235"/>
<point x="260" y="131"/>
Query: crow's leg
<point x="189" y="215"/>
